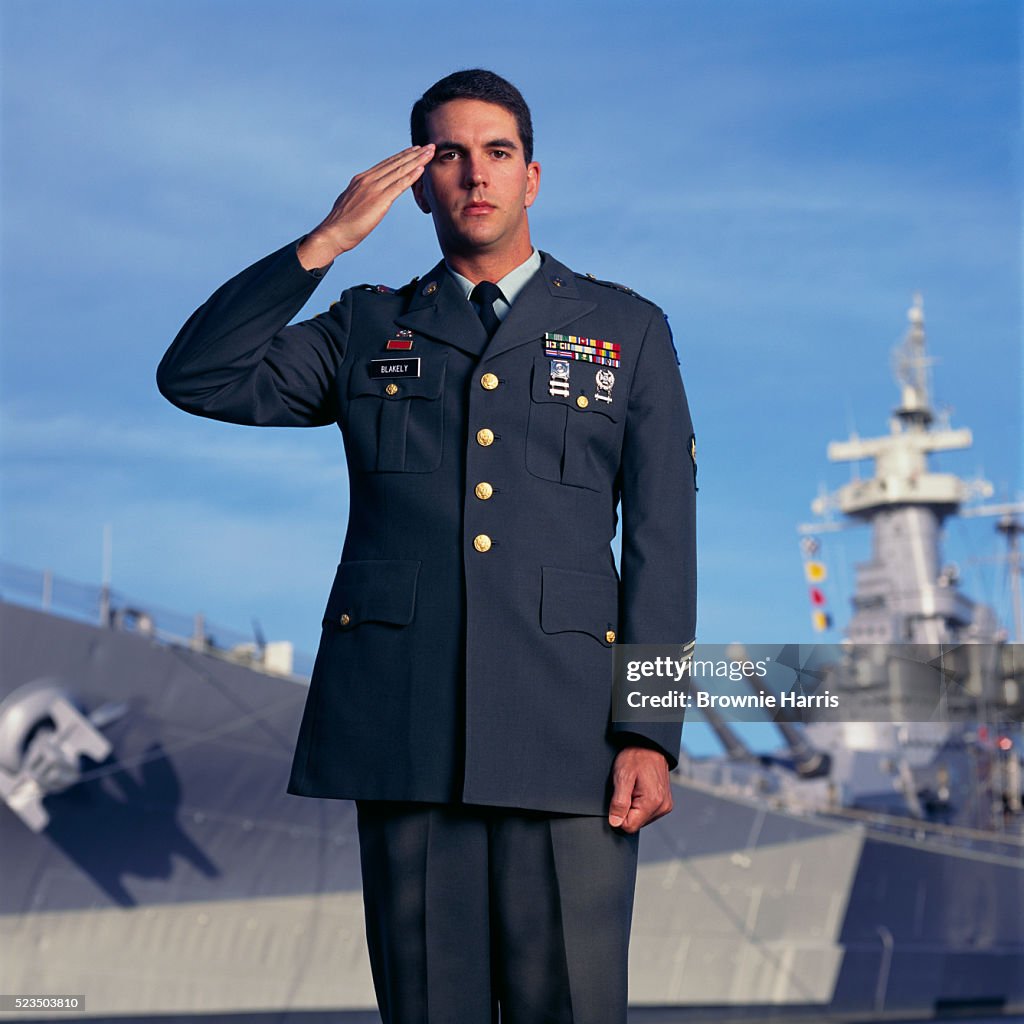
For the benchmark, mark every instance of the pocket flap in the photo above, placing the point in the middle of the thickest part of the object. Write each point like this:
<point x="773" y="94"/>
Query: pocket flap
<point x="428" y="384"/>
<point x="582" y="382"/>
<point x="373" y="591"/>
<point x="579" y="602"/>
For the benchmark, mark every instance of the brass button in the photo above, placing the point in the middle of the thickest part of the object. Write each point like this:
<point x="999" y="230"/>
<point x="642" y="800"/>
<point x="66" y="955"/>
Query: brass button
<point x="610" y="636"/>
<point x="345" y="619"/>
<point x="485" y="437"/>
<point x="482" y="542"/>
<point x="392" y="388"/>
<point x="583" y="401"/>
<point x="483" y="490"/>
<point x="489" y="381"/>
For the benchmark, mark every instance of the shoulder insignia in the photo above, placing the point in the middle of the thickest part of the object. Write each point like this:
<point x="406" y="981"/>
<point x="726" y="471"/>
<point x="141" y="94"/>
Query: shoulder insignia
<point x="618" y="287"/>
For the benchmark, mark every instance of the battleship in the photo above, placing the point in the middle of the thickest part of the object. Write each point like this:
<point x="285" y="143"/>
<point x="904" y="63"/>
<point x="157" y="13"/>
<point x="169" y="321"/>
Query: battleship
<point x="154" y="868"/>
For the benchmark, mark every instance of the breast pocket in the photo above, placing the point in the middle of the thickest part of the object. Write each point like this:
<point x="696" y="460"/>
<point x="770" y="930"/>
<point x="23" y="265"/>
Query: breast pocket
<point x="574" y="440"/>
<point x="396" y="425"/>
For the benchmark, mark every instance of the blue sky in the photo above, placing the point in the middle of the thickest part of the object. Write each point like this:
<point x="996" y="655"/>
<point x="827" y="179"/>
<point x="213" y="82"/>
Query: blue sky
<point x="780" y="176"/>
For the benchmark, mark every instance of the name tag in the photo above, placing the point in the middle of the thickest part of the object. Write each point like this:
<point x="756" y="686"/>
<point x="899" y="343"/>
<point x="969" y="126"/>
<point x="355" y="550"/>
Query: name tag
<point x="380" y="368"/>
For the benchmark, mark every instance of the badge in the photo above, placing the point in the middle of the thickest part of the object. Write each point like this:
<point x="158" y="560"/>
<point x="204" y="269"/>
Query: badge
<point x="558" y="382"/>
<point x="384" y="368"/>
<point x="605" y="381"/>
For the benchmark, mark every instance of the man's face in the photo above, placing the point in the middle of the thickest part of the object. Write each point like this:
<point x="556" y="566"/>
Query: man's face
<point x="478" y="186"/>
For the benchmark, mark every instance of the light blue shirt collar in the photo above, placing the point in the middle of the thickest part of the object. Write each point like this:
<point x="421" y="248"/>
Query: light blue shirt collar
<point x="511" y="284"/>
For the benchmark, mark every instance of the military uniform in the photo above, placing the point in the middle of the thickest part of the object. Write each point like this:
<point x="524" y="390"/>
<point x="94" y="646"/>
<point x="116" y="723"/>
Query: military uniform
<point x="466" y="647"/>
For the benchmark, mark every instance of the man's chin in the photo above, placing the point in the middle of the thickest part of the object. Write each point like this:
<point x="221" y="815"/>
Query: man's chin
<point x="473" y="241"/>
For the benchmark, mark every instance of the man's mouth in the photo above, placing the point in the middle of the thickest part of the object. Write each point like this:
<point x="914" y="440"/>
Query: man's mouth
<point x="477" y="208"/>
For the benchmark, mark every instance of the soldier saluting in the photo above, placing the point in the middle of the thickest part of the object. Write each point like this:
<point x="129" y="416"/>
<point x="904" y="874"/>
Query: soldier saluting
<point x="496" y="413"/>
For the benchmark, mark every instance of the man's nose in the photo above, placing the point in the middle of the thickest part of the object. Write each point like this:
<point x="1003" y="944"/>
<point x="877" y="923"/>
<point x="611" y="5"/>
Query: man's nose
<point x="475" y="174"/>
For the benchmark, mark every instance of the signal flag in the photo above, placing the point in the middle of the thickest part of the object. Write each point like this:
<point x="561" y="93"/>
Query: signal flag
<point x="815" y="572"/>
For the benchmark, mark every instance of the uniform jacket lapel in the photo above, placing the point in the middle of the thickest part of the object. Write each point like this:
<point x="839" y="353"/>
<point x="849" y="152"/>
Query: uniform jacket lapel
<point x="549" y="301"/>
<point x="439" y="310"/>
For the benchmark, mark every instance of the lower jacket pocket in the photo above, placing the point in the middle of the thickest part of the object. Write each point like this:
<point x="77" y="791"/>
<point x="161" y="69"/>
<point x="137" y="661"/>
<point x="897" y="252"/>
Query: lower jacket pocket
<point x="579" y="602"/>
<point x="373" y="591"/>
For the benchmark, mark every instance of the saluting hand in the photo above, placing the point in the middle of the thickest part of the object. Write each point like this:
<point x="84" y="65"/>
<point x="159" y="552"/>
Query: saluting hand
<point x="361" y="207"/>
<point x="641" y="789"/>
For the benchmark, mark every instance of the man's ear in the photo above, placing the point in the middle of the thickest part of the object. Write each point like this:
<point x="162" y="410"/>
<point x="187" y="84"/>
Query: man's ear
<point x="419" y="195"/>
<point x="532" y="182"/>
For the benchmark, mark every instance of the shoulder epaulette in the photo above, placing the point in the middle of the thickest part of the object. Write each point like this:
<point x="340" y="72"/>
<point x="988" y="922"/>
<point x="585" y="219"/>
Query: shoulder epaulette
<point x="386" y="289"/>
<point x="618" y="287"/>
<point x="636" y="295"/>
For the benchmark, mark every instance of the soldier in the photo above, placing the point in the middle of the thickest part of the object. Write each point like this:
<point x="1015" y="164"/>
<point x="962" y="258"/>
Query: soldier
<point x="495" y="413"/>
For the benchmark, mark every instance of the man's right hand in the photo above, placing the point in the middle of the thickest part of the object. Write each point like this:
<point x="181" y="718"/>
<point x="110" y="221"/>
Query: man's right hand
<point x="361" y="207"/>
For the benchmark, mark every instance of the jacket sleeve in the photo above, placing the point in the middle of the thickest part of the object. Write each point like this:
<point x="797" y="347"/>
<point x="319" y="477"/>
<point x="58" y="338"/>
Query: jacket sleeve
<point x="236" y="360"/>
<point x="658" y="590"/>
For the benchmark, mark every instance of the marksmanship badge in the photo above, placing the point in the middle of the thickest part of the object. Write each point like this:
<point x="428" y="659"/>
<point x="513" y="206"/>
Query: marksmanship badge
<point x="605" y="380"/>
<point x="558" y="382"/>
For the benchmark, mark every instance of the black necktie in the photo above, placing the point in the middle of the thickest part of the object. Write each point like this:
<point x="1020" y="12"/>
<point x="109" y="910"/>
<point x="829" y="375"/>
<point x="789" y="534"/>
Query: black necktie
<point x="483" y="296"/>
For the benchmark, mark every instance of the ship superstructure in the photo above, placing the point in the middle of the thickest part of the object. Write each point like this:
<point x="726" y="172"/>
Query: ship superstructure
<point x="904" y="593"/>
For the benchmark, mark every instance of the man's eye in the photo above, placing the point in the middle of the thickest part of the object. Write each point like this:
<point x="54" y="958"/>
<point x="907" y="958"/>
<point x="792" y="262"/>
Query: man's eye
<point x="501" y="154"/>
<point x="447" y="155"/>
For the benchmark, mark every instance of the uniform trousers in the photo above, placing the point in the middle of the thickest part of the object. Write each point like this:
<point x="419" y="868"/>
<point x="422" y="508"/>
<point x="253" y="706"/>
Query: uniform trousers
<point x="475" y="911"/>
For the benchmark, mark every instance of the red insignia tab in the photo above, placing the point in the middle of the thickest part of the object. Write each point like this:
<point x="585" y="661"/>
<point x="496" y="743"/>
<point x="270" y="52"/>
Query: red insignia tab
<point x="401" y="344"/>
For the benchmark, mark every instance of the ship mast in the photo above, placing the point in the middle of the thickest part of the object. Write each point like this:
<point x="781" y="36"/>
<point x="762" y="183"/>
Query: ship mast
<point x="903" y="593"/>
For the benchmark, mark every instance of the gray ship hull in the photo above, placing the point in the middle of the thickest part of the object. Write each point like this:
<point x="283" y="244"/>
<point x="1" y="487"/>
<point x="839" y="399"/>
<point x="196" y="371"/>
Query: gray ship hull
<point x="178" y="878"/>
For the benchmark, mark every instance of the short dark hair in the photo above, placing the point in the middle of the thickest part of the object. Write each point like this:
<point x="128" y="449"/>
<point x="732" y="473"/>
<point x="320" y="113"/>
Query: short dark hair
<point x="475" y="84"/>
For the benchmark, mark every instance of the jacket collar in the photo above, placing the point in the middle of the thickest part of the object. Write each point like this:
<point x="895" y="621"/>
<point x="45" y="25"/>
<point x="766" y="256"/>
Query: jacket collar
<point x="549" y="301"/>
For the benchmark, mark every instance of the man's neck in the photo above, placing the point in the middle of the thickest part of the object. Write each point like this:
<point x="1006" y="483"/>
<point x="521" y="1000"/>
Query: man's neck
<point x="486" y="266"/>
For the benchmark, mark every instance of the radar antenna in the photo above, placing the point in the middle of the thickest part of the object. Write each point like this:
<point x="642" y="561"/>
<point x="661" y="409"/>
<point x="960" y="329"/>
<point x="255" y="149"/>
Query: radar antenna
<point x="911" y="366"/>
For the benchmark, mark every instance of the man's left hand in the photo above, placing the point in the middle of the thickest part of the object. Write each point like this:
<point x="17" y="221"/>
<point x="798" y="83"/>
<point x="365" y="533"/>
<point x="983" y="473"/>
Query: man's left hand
<point x="641" y="790"/>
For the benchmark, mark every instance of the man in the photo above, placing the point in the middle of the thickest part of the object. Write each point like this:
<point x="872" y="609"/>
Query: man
<point x="494" y="413"/>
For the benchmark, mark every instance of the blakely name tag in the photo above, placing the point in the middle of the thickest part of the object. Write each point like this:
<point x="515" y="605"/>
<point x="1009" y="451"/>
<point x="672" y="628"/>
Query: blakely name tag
<point x="395" y="367"/>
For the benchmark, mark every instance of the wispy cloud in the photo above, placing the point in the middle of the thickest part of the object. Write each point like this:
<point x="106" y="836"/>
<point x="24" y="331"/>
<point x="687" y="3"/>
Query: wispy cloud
<point x="268" y="454"/>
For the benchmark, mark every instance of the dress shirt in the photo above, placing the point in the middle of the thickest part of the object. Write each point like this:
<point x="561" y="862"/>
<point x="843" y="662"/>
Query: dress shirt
<point x="511" y="284"/>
